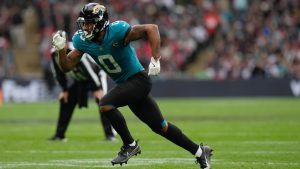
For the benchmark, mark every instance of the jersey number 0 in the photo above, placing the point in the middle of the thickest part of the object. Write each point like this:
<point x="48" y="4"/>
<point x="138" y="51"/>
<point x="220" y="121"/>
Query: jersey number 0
<point x="105" y="59"/>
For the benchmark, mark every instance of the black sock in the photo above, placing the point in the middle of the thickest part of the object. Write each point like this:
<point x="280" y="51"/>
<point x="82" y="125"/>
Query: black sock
<point x="176" y="136"/>
<point x="119" y="124"/>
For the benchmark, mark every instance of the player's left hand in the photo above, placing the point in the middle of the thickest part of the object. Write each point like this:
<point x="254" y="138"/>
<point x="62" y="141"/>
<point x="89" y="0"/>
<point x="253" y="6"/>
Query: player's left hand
<point x="154" y="67"/>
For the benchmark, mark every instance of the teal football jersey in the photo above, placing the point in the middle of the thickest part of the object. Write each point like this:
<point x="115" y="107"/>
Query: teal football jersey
<point x="117" y="59"/>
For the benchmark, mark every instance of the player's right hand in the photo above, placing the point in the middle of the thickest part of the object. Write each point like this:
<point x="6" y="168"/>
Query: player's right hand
<point x="59" y="40"/>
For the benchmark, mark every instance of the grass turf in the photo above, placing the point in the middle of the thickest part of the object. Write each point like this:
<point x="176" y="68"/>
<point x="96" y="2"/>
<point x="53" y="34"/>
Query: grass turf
<point x="246" y="133"/>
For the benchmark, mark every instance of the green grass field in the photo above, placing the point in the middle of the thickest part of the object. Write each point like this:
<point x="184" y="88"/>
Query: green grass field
<point x="256" y="133"/>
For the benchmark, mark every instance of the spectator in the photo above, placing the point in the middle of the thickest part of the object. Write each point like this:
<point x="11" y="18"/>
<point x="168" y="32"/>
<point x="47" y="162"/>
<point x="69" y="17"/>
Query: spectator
<point x="264" y="34"/>
<point x="251" y="30"/>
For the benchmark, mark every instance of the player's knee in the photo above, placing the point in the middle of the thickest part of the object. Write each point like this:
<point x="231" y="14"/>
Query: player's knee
<point x="105" y="108"/>
<point x="161" y="129"/>
<point x="165" y="127"/>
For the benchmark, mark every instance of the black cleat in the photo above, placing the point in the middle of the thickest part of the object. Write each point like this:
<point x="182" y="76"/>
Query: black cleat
<point x="204" y="159"/>
<point x="126" y="153"/>
<point x="56" y="138"/>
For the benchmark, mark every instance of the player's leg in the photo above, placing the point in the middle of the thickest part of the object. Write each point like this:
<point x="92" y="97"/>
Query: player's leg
<point x="118" y="122"/>
<point x="65" y="114"/>
<point x="106" y="125"/>
<point x="130" y="146"/>
<point x="148" y="111"/>
<point x="121" y="95"/>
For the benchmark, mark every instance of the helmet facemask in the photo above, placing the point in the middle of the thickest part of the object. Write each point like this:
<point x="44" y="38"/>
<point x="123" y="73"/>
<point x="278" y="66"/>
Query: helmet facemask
<point x="95" y="14"/>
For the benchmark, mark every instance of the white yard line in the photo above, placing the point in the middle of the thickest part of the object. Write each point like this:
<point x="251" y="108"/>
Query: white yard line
<point x="145" y="152"/>
<point x="98" y="163"/>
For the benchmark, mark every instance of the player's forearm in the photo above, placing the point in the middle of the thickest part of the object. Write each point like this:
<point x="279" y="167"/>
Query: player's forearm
<point x="154" y="39"/>
<point x="64" y="62"/>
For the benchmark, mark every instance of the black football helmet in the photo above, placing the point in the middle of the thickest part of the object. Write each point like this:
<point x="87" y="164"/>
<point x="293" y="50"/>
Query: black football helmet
<point x="93" y="13"/>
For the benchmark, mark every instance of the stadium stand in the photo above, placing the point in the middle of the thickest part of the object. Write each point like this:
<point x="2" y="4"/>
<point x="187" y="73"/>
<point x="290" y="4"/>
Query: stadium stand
<point x="256" y="39"/>
<point x="218" y="40"/>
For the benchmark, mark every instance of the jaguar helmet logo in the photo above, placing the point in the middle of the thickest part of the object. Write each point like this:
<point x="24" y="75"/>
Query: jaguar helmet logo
<point x="98" y="8"/>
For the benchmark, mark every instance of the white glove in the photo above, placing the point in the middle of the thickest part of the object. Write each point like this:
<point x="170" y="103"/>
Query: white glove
<point x="59" y="40"/>
<point x="154" y="67"/>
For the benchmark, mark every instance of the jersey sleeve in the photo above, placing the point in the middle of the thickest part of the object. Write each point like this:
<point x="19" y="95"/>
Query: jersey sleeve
<point x="77" y="42"/>
<point x="120" y="29"/>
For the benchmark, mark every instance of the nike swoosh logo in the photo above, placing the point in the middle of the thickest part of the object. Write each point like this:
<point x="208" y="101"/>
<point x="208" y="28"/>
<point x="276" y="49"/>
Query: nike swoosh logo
<point x="115" y="44"/>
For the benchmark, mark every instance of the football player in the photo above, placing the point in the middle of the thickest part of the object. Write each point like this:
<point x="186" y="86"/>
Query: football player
<point x="109" y="45"/>
<point x="84" y="77"/>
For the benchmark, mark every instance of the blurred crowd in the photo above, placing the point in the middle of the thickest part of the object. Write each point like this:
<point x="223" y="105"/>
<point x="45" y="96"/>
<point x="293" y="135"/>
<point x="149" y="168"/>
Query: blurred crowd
<point x="257" y="39"/>
<point x="245" y="38"/>
<point x="180" y="23"/>
<point x="10" y="21"/>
